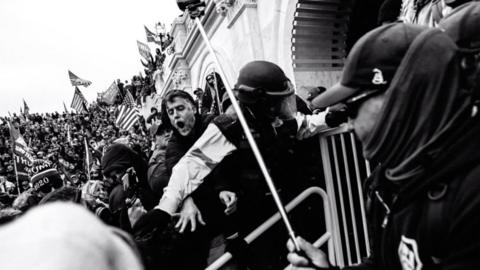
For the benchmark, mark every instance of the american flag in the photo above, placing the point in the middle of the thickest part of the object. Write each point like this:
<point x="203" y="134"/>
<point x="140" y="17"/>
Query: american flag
<point x="79" y="103"/>
<point x="128" y="99"/>
<point x="127" y="116"/>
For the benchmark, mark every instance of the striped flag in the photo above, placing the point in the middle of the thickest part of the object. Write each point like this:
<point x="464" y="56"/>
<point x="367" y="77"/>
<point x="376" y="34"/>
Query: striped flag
<point x="79" y="103"/>
<point x="128" y="99"/>
<point x="65" y="107"/>
<point x="127" y="116"/>
<point x="75" y="80"/>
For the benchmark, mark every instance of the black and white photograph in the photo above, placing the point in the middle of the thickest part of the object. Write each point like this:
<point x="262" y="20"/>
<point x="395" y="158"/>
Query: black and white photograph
<point x="240" y="135"/>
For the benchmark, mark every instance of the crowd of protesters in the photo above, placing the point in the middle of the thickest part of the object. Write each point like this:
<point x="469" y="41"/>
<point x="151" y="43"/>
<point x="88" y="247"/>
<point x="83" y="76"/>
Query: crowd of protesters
<point x="183" y="186"/>
<point x="141" y="86"/>
<point x="61" y="138"/>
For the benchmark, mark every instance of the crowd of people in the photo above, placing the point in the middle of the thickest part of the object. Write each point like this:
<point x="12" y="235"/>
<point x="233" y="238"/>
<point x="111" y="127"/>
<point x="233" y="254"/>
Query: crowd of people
<point x="183" y="186"/>
<point x="142" y="85"/>
<point x="61" y="139"/>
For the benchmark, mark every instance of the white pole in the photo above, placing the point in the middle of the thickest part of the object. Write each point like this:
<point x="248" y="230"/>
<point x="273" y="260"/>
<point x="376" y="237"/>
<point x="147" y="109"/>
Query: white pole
<point x="87" y="158"/>
<point x="248" y="134"/>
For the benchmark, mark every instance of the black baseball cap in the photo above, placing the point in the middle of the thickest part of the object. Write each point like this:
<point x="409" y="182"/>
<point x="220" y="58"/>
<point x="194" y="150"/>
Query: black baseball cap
<point x="372" y="62"/>
<point x="463" y="25"/>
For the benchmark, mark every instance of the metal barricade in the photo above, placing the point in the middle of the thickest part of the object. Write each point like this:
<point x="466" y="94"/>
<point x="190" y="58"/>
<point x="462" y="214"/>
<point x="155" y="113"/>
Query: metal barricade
<point x="330" y="229"/>
<point x="345" y="169"/>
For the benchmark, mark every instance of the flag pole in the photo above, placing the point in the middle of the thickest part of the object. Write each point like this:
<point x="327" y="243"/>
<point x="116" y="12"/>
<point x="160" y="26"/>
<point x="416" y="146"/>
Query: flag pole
<point x="87" y="158"/>
<point x="219" y="102"/>
<point x="15" y="167"/>
<point x="249" y="136"/>
<point x="14" y="156"/>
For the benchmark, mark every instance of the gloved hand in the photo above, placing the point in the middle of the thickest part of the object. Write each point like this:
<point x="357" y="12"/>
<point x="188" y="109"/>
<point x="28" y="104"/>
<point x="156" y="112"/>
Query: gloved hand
<point x="336" y="115"/>
<point x="148" y="225"/>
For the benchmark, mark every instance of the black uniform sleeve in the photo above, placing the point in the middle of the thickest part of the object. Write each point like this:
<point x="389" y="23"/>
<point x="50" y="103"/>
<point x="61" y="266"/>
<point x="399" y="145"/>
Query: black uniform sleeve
<point x="462" y="241"/>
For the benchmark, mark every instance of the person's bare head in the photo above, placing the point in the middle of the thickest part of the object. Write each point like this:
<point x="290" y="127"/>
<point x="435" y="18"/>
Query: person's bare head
<point x="178" y="109"/>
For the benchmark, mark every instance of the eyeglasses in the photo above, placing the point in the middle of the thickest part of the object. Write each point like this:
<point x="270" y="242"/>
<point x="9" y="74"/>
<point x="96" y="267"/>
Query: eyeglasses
<point x="353" y="104"/>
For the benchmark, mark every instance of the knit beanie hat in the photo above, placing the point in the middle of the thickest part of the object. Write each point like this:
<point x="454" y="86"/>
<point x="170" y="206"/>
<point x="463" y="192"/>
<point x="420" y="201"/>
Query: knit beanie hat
<point x="117" y="157"/>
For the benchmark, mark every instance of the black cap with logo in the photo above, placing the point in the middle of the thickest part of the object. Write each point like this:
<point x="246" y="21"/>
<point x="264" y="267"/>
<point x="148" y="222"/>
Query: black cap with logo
<point x="372" y="62"/>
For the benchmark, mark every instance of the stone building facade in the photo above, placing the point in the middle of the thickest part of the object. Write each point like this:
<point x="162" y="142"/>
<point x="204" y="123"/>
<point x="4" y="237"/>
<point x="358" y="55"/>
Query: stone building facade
<point x="307" y="38"/>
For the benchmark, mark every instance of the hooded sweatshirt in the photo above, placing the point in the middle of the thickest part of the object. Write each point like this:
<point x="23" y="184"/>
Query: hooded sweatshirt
<point x="423" y="206"/>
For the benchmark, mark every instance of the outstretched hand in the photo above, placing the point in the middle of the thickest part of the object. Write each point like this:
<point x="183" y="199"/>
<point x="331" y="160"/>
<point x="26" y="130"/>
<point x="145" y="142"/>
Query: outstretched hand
<point x="189" y="214"/>
<point x="312" y="255"/>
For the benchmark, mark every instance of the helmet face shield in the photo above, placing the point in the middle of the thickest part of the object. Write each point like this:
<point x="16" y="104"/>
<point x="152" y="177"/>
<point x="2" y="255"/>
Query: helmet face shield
<point x="284" y="107"/>
<point x="279" y="104"/>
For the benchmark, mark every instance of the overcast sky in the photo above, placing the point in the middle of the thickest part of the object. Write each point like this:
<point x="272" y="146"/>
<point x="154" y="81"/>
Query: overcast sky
<point x="95" y="39"/>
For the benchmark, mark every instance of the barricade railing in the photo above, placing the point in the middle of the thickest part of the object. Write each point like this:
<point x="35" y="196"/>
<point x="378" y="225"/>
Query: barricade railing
<point x="345" y="170"/>
<point x="326" y="237"/>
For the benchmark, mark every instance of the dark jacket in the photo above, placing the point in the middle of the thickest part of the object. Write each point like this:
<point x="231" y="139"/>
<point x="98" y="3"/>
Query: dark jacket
<point x="156" y="172"/>
<point x="432" y="220"/>
<point x="293" y="165"/>
<point x="171" y="248"/>
<point x="121" y="157"/>
<point x="179" y="145"/>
